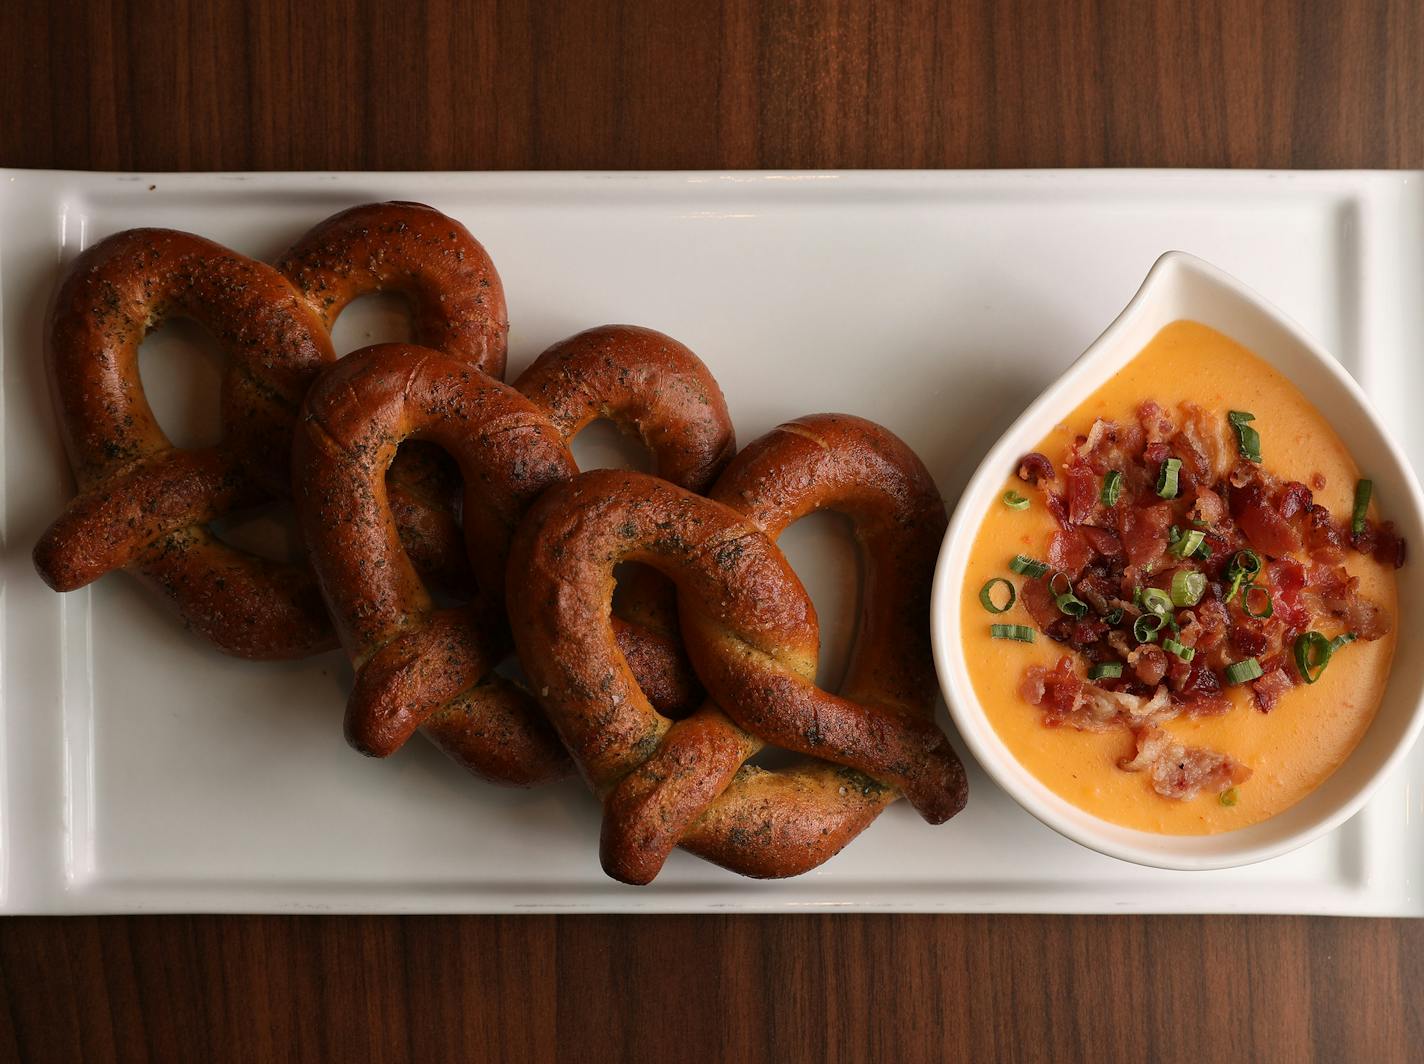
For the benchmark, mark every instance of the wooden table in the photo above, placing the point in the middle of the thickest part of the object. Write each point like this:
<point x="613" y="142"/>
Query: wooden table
<point x="226" y="85"/>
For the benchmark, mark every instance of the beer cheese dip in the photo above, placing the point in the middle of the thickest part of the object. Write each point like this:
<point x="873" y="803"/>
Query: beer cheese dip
<point x="1202" y="591"/>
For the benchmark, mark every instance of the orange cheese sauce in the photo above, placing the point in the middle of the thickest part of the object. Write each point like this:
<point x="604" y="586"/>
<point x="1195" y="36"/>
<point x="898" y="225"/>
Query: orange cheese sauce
<point x="1313" y="728"/>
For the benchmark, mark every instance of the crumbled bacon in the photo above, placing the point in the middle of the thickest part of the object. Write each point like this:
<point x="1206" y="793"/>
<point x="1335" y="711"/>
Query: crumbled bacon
<point x="1035" y="468"/>
<point x="1268" y="689"/>
<point x="1069" y="552"/>
<point x="1104" y="541"/>
<point x="1082" y="494"/>
<point x="1208" y="509"/>
<point x="1144" y="533"/>
<point x="1149" y="663"/>
<point x="1182" y="772"/>
<point x="1038" y="600"/>
<point x="1258" y="518"/>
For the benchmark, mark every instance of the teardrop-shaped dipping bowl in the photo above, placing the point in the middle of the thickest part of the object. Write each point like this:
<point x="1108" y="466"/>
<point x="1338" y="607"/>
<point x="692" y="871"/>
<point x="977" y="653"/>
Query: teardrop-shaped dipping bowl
<point x="1179" y="287"/>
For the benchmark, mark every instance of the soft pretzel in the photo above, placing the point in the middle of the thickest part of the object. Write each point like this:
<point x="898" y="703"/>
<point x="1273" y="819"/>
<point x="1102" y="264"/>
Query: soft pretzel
<point x="753" y="637"/>
<point x="418" y="665"/>
<point x="144" y="503"/>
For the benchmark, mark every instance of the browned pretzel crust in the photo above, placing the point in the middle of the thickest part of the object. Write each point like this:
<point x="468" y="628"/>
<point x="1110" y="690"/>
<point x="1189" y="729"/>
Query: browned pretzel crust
<point x="418" y="665"/>
<point x="455" y="296"/>
<point x="753" y="636"/>
<point x="143" y="503"/>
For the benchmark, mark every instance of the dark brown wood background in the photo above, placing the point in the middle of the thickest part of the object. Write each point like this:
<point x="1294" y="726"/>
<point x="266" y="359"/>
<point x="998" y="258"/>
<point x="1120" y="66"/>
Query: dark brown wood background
<point x="227" y="85"/>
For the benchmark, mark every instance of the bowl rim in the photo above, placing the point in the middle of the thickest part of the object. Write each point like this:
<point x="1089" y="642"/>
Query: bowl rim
<point x="977" y="731"/>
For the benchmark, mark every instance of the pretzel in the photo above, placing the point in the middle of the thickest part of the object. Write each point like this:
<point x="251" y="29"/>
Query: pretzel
<point x="360" y="412"/>
<point x="144" y="503"/>
<point x="418" y="665"/>
<point x="752" y="633"/>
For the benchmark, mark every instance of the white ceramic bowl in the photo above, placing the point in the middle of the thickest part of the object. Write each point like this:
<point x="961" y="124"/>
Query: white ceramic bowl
<point x="1181" y="286"/>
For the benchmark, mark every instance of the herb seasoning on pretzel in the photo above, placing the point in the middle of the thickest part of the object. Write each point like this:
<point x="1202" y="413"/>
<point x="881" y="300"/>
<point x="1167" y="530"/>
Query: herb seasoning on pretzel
<point x="754" y="639"/>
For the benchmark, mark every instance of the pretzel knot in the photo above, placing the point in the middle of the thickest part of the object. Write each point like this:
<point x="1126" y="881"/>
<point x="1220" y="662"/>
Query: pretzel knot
<point x="144" y="504"/>
<point x="423" y="667"/>
<point x="752" y="633"/>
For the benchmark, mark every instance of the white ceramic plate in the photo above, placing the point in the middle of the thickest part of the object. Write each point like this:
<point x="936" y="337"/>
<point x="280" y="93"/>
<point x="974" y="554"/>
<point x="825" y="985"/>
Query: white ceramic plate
<point x="140" y="770"/>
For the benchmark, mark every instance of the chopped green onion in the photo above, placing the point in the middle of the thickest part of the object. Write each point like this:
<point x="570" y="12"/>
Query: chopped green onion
<point x="1173" y="534"/>
<point x="1188" y="587"/>
<point x="1026" y="566"/>
<point x="1167" y="478"/>
<point x="1186" y="653"/>
<point x="1244" y="671"/>
<point x="1248" y="440"/>
<point x="1105" y="670"/>
<point x="1229" y="797"/>
<point x="986" y="595"/>
<point x="1146" y="627"/>
<point x="1155" y="600"/>
<point x="1020" y="633"/>
<point x="1014" y="501"/>
<point x="1363" y="490"/>
<point x="1114" y="615"/>
<point x="1245" y="561"/>
<point x="1071" y="605"/>
<point x="1341" y="640"/>
<point x="1053" y="583"/>
<point x="1187" y="545"/>
<point x="1204" y="551"/>
<point x="1112" y="488"/>
<point x="1265" y="611"/>
<point x="1312" y="653"/>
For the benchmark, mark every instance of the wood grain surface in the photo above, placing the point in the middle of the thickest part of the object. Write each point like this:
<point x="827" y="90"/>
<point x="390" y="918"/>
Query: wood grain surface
<point x="229" y="85"/>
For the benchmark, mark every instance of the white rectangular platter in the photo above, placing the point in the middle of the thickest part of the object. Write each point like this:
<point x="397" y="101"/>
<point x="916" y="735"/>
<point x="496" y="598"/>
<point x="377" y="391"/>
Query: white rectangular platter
<point x="141" y="771"/>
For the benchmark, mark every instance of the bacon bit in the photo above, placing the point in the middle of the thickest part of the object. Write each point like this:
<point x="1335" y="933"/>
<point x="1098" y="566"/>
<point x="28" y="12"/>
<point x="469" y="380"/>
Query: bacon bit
<point x="1323" y="538"/>
<point x="1206" y="704"/>
<point x="1062" y="692"/>
<point x="1036" y="468"/>
<point x="1182" y="772"/>
<point x="1069" y="552"/>
<point x="1105" y="542"/>
<point x="1366" y="619"/>
<point x="1157" y="426"/>
<point x="1058" y="508"/>
<point x="1294" y="498"/>
<point x="1082" y="494"/>
<point x="1263" y="525"/>
<point x="1038" y="600"/>
<point x="1144" y="533"/>
<point x="1209" y="508"/>
<point x="1032" y="687"/>
<point x="1389" y="546"/>
<point x="1269" y="688"/>
<point x="1208" y="436"/>
<point x="1149" y="663"/>
<point x="1087" y="631"/>
<point x="1317" y="481"/>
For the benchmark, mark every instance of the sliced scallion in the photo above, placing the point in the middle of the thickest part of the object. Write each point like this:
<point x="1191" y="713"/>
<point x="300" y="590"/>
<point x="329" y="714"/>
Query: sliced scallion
<point x="1114" y="615"/>
<point x="1071" y="605"/>
<point x="1189" y="543"/>
<point x="1146" y="627"/>
<point x="1248" y="440"/>
<point x="986" y="595"/>
<point x="1019" y="633"/>
<point x="1229" y="797"/>
<point x="1244" y="671"/>
<point x="1026" y="566"/>
<point x="1167" y="478"/>
<point x="1155" y="600"/>
<point x="1105" y="670"/>
<point x="1186" y="653"/>
<point x="1312" y="653"/>
<point x="1014" y="501"/>
<point x="1363" y="490"/>
<point x="1188" y="587"/>
<point x="1342" y="639"/>
<point x="1112" y="488"/>
<point x="1257" y="610"/>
